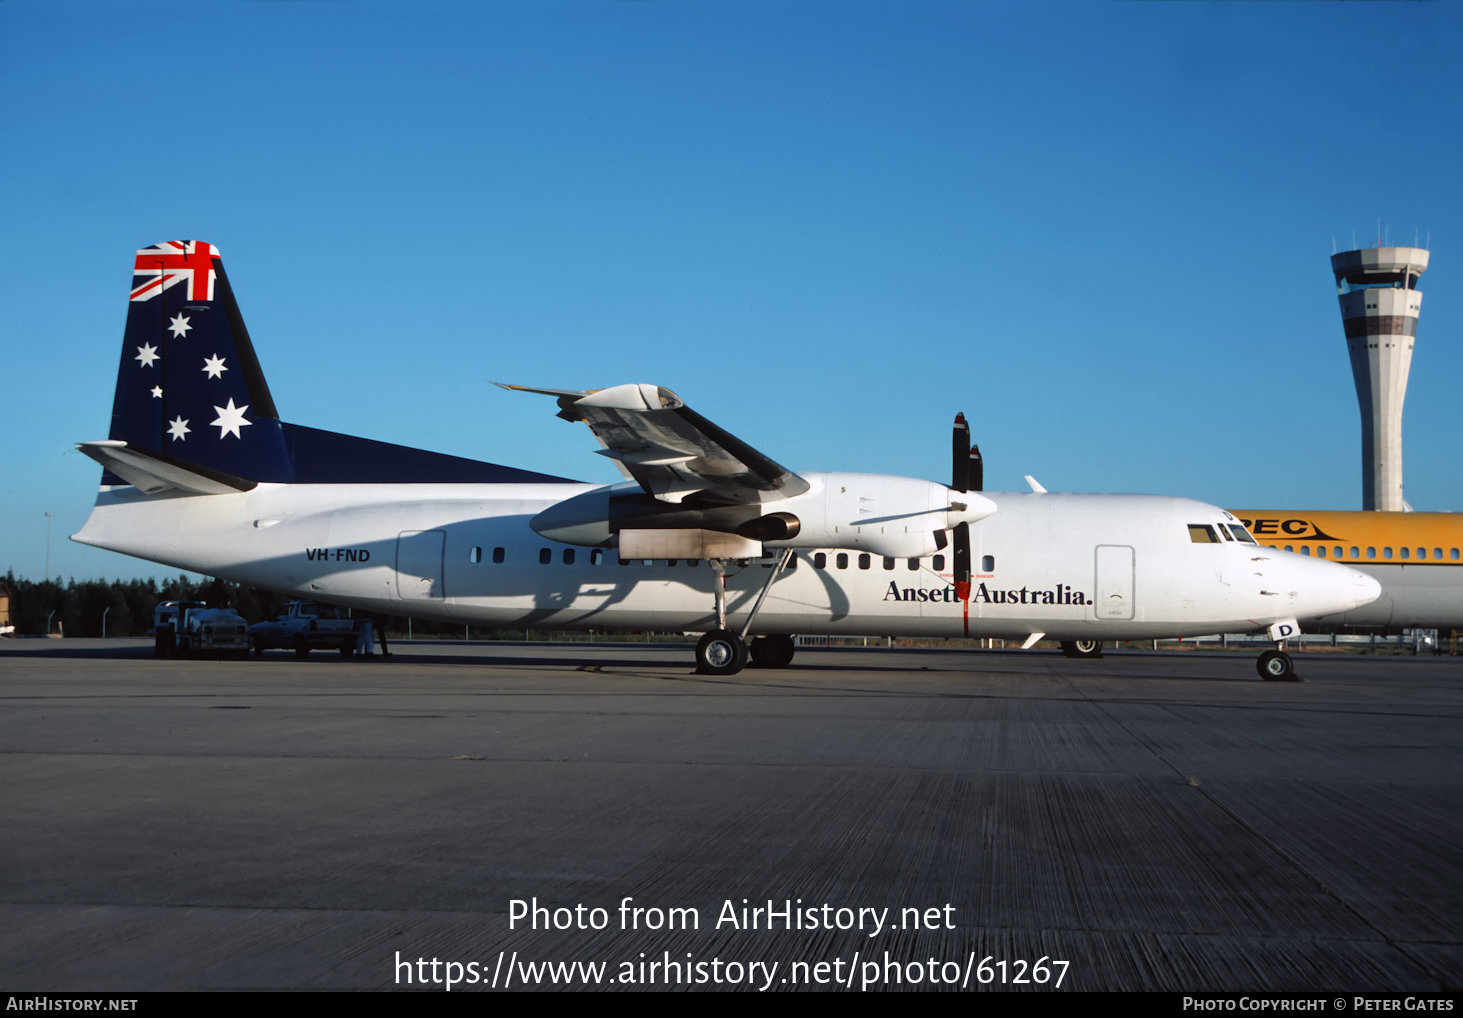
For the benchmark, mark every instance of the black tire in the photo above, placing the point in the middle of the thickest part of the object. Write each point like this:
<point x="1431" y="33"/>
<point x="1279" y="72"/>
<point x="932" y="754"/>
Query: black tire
<point x="772" y="651"/>
<point x="162" y="643"/>
<point x="302" y="647"/>
<point x="1276" y="666"/>
<point x="720" y="652"/>
<point x="1082" y="648"/>
<point x="348" y="652"/>
<point x="254" y="646"/>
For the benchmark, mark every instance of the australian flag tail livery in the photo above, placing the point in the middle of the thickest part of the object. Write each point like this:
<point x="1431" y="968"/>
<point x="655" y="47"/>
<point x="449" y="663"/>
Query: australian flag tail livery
<point x="193" y="414"/>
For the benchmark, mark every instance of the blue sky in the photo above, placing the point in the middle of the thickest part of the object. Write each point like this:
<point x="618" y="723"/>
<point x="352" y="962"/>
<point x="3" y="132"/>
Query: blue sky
<point x="1100" y="229"/>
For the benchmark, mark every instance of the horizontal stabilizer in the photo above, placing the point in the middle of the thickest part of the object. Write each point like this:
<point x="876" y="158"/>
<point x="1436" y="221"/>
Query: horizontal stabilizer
<point x="155" y="474"/>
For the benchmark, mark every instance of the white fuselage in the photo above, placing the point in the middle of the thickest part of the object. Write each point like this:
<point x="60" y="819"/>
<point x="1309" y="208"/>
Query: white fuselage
<point x="1069" y="566"/>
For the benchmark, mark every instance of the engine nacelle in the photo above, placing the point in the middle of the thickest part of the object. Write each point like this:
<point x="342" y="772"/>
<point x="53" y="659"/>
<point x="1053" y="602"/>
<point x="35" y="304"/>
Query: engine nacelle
<point x="898" y="517"/>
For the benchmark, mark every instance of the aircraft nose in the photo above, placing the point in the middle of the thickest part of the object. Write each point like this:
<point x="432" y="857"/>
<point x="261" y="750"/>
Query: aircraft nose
<point x="1330" y="587"/>
<point x="1366" y="589"/>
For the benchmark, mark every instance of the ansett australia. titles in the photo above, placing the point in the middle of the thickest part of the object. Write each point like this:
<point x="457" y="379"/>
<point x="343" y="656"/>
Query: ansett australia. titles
<point x="1059" y="594"/>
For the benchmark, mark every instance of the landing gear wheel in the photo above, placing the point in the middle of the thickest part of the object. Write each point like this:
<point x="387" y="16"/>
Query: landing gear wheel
<point x="720" y="652"/>
<point x="772" y="651"/>
<point x="1276" y="666"/>
<point x="1082" y="648"/>
<point x="348" y="652"/>
<point x="302" y="647"/>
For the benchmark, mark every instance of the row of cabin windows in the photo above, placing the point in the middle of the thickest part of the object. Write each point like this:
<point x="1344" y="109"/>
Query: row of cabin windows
<point x="1354" y="552"/>
<point x="820" y="560"/>
<point x="864" y="560"/>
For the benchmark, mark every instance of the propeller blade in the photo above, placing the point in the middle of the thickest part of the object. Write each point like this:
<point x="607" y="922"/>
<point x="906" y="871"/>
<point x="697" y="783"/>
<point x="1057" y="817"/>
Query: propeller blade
<point x="977" y="470"/>
<point x="962" y="561"/>
<point x="960" y="455"/>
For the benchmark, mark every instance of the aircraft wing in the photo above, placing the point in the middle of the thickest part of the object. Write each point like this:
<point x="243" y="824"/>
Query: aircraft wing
<point x="671" y="451"/>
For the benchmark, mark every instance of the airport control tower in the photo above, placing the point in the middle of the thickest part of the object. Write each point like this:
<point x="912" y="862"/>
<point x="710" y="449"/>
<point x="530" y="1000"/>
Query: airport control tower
<point x="1379" y="307"/>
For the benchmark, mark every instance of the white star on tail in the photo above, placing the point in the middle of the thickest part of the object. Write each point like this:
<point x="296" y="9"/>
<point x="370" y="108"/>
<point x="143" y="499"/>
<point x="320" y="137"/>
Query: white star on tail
<point x="178" y="428"/>
<point x="157" y="392"/>
<point x="179" y="326"/>
<point x="230" y="419"/>
<point x="146" y="354"/>
<point x="214" y="366"/>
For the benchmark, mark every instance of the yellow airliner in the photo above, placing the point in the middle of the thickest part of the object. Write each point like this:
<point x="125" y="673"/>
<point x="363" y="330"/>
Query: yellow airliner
<point x="1417" y="558"/>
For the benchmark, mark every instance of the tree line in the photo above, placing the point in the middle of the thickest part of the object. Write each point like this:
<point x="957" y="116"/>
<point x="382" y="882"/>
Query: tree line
<point x="83" y="607"/>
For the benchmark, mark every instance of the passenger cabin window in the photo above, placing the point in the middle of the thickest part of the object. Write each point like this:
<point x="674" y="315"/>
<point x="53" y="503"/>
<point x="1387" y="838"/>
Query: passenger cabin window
<point x="596" y="556"/>
<point x="842" y="560"/>
<point x="888" y="562"/>
<point x="568" y="556"/>
<point x="1371" y="553"/>
<point x="1405" y="552"/>
<point x="498" y="555"/>
<point x="914" y="565"/>
<point x="1321" y="550"/>
<point x="545" y="556"/>
<point x="938" y="563"/>
<point x="475" y="556"/>
<point x="864" y="561"/>
<point x="820" y="560"/>
<point x="987" y="563"/>
<point x="1202" y="533"/>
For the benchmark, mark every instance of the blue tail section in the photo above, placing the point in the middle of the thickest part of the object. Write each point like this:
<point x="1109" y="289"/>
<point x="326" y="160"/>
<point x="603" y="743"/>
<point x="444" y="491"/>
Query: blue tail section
<point x="192" y="397"/>
<point x="189" y="388"/>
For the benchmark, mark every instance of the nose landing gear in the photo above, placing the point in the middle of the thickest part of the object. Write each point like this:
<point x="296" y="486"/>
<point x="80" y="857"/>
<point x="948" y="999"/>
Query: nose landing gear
<point x="1276" y="665"/>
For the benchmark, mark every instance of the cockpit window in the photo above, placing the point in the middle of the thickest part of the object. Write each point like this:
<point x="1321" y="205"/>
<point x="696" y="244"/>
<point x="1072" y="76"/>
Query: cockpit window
<point x="1202" y="533"/>
<point x="1240" y="533"/>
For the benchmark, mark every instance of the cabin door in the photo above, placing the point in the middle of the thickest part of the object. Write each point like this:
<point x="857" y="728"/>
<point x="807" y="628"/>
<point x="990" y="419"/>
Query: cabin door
<point x="419" y="564"/>
<point x="1114" y="583"/>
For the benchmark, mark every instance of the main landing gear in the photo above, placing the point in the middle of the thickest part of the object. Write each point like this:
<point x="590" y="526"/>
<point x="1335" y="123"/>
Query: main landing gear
<point x="1082" y="648"/>
<point x="721" y="652"/>
<point x="724" y="652"/>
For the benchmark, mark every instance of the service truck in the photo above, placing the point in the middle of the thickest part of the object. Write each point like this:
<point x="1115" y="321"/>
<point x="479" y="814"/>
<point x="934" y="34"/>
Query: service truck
<point x="191" y="627"/>
<point x="303" y="626"/>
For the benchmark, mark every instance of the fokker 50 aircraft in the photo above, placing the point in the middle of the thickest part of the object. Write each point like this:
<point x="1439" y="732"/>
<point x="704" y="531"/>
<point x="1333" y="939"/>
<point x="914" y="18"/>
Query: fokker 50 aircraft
<point x="708" y="534"/>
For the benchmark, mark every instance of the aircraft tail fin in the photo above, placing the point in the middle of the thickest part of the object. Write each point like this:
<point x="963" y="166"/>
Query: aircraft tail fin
<point x="193" y="415"/>
<point x="191" y="400"/>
